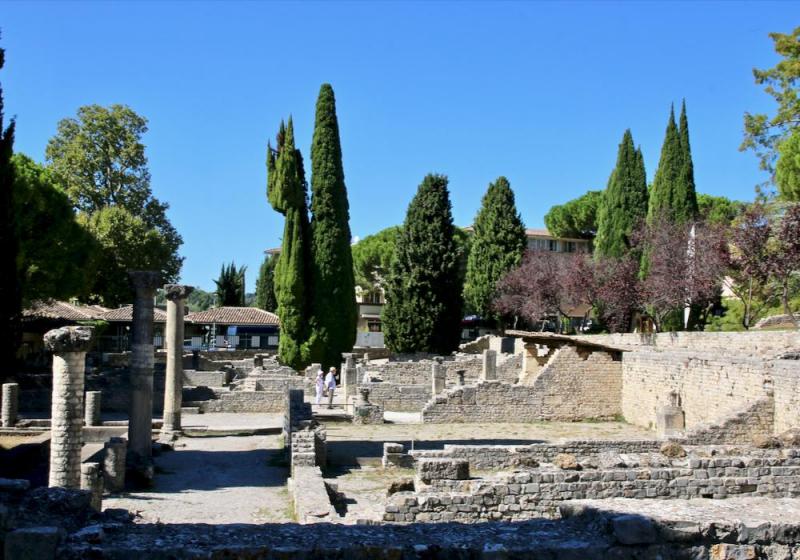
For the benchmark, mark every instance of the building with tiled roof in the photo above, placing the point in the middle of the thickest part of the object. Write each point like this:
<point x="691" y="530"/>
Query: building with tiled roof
<point x="124" y="314"/>
<point x="52" y="310"/>
<point x="233" y="316"/>
<point x="243" y="328"/>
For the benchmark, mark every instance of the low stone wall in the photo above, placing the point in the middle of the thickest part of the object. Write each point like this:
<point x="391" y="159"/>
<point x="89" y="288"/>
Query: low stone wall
<point x="242" y="401"/>
<point x="196" y="378"/>
<point x="310" y="500"/>
<point x="499" y="457"/>
<point x="417" y="371"/>
<point x="709" y="387"/>
<point x="555" y="397"/>
<point x="399" y="398"/>
<point x="744" y="427"/>
<point x="538" y="492"/>
<point x="751" y="343"/>
<point x="786" y="391"/>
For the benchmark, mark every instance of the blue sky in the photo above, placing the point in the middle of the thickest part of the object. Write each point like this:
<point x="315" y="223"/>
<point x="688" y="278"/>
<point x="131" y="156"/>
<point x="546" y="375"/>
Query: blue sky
<point x="538" y="92"/>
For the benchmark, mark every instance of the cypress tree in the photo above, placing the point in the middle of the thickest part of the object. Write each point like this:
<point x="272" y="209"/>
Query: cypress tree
<point x="423" y="295"/>
<point x="265" y="285"/>
<point x="665" y="194"/>
<point x="230" y="286"/>
<point x="498" y="244"/>
<point x="10" y="286"/>
<point x="334" y="312"/>
<point x="685" y="201"/>
<point x="286" y="191"/>
<point x="624" y="203"/>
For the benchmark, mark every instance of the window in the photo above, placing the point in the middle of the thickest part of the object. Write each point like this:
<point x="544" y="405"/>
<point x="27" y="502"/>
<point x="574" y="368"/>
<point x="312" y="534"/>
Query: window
<point x="569" y="246"/>
<point x="374" y="325"/>
<point x="373" y="298"/>
<point x="552" y="245"/>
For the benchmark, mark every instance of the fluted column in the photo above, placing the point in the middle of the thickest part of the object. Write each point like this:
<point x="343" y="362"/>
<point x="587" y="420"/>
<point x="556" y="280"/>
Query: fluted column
<point x="69" y="346"/>
<point x="140" y="424"/>
<point x="173" y="397"/>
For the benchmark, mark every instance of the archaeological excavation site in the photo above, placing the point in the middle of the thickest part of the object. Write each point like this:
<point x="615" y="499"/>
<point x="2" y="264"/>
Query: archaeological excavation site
<point x="527" y="445"/>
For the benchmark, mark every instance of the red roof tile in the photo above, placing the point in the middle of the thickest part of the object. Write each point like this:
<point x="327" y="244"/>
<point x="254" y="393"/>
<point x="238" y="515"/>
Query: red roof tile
<point x="234" y="316"/>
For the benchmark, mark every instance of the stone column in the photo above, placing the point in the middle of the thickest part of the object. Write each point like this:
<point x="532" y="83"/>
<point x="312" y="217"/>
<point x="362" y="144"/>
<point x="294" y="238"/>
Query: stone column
<point x="92" y="481"/>
<point x="10" y="406"/>
<point x="173" y="387"/>
<point x="489" y="371"/>
<point x="140" y="422"/>
<point x="349" y="376"/>
<point x="114" y="464"/>
<point x="92" y="408"/>
<point x="438" y="378"/>
<point x="69" y="346"/>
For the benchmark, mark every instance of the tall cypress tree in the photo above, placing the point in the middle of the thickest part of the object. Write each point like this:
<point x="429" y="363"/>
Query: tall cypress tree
<point x="497" y="246"/>
<point x="230" y="286"/>
<point x="624" y="203"/>
<point x="423" y="295"/>
<point x="265" y="284"/>
<point x="10" y="287"/>
<point x="685" y="202"/>
<point x="286" y="191"/>
<point x="334" y="312"/>
<point x="665" y="194"/>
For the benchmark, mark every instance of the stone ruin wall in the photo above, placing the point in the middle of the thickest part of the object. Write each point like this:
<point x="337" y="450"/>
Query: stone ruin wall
<point x="786" y="390"/>
<point x="571" y="387"/>
<point x="418" y="371"/>
<point x="753" y="343"/>
<point x="502" y="457"/>
<point x="710" y="387"/>
<point x="538" y="492"/>
<point x="399" y="398"/>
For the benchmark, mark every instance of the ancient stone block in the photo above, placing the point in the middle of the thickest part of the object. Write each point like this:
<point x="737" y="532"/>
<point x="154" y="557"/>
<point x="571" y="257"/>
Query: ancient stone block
<point x="442" y="469"/>
<point x="32" y="543"/>
<point x="566" y="461"/>
<point x="633" y="529"/>
<point x="673" y="449"/>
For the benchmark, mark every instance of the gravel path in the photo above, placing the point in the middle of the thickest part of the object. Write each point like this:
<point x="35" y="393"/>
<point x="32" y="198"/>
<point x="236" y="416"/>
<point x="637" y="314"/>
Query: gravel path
<point x="214" y="480"/>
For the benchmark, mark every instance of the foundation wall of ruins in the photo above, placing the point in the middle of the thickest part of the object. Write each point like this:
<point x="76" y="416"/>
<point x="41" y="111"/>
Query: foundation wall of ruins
<point x="417" y="371"/>
<point x="743" y="427"/>
<point x="786" y="390"/>
<point x="499" y="457"/>
<point x="756" y="343"/>
<point x="572" y="387"/>
<point x="243" y="401"/>
<point x="710" y="387"/>
<point x="538" y="492"/>
<point x="399" y="398"/>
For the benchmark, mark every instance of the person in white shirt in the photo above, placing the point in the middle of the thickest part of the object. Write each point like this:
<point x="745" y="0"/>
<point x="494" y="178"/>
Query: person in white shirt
<point x="330" y="385"/>
<point x="319" y="383"/>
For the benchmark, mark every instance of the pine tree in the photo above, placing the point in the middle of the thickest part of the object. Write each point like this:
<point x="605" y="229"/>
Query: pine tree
<point x="230" y="286"/>
<point x="286" y="191"/>
<point x="624" y="203"/>
<point x="498" y="244"/>
<point x="10" y="287"/>
<point x="685" y="205"/>
<point x="334" y="312"/>
<point x="423" y="296"/>
<point x="265" y="285"/>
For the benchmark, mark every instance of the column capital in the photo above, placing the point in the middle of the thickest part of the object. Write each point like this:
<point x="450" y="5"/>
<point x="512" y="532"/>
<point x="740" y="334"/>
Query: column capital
<point x="174" y="292"/>
<point x="69" y="339"/>
<point x="144" y="279"/>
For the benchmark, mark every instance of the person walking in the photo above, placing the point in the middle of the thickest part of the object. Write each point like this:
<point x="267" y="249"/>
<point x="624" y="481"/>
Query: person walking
<point x="319" y="384"/>
<point x="330" y="385"/>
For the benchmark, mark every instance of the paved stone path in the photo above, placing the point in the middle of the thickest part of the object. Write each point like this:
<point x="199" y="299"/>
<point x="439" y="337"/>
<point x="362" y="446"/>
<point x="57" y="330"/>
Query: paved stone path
<point x="214" y="480"/>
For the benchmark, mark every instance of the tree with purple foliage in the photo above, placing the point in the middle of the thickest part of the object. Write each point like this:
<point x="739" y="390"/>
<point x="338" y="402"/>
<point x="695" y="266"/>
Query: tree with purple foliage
<point x="750" y="265"/>
<point x="786" y="257"/>
<point x="686" y="266"/>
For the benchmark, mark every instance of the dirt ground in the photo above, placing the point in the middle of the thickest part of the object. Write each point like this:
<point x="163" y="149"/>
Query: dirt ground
<point x="215" y="480"/>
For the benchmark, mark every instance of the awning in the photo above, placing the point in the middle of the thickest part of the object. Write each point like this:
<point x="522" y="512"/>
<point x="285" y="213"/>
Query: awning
<point x="370" y="316"/>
